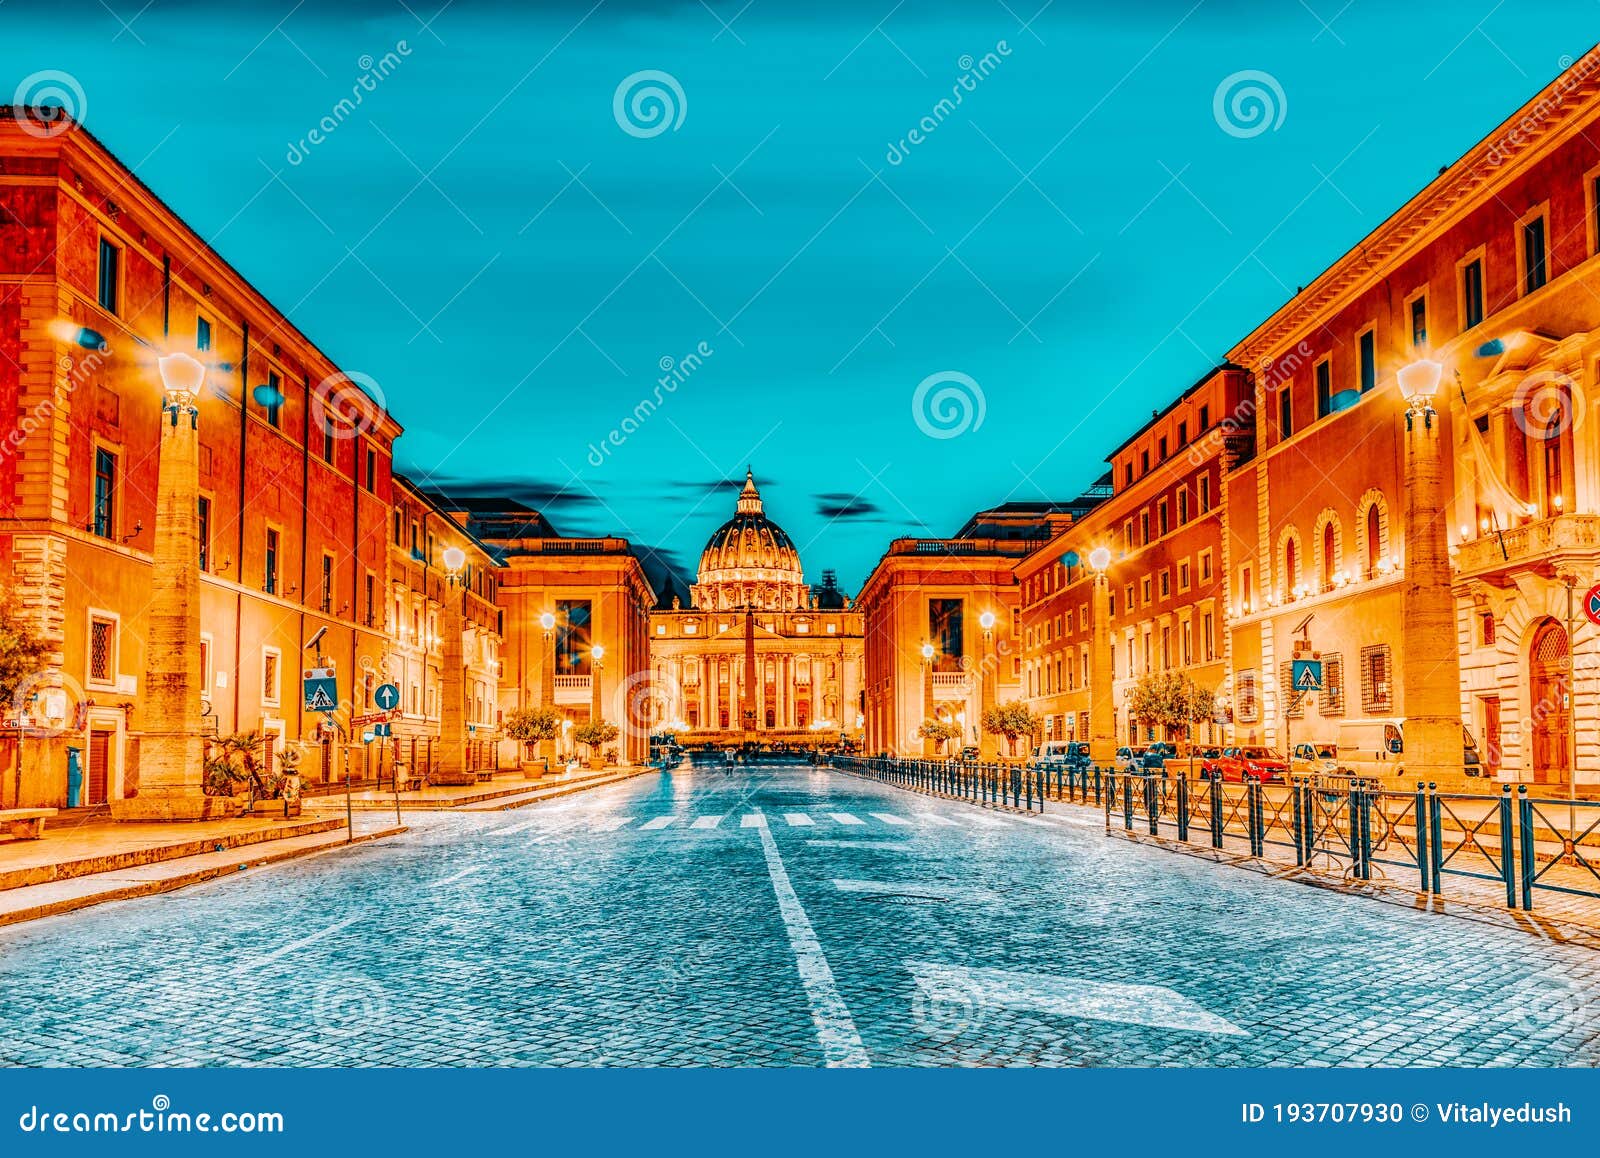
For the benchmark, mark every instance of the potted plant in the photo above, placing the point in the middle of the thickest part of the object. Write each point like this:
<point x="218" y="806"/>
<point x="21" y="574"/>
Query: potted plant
<point x="593" y="735"/>
<point x="289" y="784"/>
<point x="939" y="731"/>
<point x="532" y="727"/>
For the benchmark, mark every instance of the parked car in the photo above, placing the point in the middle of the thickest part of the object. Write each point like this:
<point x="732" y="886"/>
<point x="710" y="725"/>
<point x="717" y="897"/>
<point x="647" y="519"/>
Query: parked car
<point x="1130" y="756"/>
<point x="969" y="754"/>
<point x="1376" y="748"/>
<point x="1062" y="754"/>
<point x="1314" y="759"/>
<point x="1264" y="764"/>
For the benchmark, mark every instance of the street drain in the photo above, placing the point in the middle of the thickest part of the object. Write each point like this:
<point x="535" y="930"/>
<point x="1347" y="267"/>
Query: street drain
<point x="905" y="899"/>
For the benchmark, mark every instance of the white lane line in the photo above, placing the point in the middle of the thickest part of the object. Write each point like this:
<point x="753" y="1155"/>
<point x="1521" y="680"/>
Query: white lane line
<point x="798" y="820"/>
<point x="256" y="962"/>
<point x="836" y="1030"/>
<point x="890" y="818"/>
<point x="706" y="822"/>
<point x="612" y="824"/>
<point x="658" y="822"/>
<point x="846" y="818"/>
<point x="1152" y="1005"/>
<point x="891" y="845"/>
<point x="752" y="820"/>
<point x="931" y="818"/>
<point x="454" y="877"/>
<point x="935" y="890"/>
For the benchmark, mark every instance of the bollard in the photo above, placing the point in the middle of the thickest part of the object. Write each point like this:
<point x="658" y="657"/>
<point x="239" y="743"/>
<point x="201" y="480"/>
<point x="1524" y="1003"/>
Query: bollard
<point x="1525" y="832"/>
<point x="1366" y="832"/>
<point x="1216" y="809"/>
<point x="1152" y="806"/>
<point x="1257" y="819"/>
<point x="1435" y="839"/>
<point x="1302" y="846"/>
<point x="1505" y="846"/>
<point x="1127" y="803"/>
<point x="1352" y="809"/>
<point x="1423" y="864"/>
<point x="1183" y="808"/>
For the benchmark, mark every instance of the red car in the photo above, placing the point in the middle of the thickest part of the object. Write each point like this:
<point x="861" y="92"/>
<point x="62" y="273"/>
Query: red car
<point x="1264" y="764"/>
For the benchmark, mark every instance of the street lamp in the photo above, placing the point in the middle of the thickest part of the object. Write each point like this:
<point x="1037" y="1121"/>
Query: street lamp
<point x="597" y="654"/>
<point x="1102" y="718"/>
<point x="452" y="667"/>
<point x="1430" y="675"/>
<point x="987" y="676"/>
<point x="927" y="692"/>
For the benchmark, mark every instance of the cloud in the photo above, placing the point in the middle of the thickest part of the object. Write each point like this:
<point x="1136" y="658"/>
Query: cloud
<point x="838" y="505"/>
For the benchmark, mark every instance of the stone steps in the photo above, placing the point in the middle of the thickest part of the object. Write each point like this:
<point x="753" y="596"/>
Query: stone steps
<point x="484" y="798"/>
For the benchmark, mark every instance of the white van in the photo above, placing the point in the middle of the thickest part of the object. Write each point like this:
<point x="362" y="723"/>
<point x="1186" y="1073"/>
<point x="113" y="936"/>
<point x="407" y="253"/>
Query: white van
<point x="1376" y="749"/>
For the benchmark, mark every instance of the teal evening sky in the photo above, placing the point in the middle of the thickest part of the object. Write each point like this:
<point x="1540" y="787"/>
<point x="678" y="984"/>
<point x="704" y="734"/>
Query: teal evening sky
<point x="1082" y="236"/>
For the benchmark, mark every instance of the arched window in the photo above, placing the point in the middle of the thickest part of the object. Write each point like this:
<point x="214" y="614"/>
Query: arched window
<point x="1327" y="554"/>
<point x="1291" y="568"/>
<point x="1373" y="535"/>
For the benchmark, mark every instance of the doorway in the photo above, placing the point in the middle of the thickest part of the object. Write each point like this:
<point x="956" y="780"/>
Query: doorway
<point x="1549" y="710"/>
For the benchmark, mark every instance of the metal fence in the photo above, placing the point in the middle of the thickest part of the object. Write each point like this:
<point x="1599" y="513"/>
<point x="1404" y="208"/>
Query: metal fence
<point x="997" y="785"/>
<point x="1520" y="849"/>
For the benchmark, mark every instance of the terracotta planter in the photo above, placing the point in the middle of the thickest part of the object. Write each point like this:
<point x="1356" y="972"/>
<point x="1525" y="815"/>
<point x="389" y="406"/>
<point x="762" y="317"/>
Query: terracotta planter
<point x="597" y="763"/>
<point x="533" y="769"/>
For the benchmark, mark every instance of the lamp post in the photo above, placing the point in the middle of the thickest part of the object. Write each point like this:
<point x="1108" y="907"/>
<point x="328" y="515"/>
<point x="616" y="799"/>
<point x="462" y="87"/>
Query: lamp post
<point x="927" y="694"/>
<point x="452" y="674"/>
<point x="597" y="654"/>
<point x="1102" y="714"/>
<point x="171" y="749"/>
<point x="988" y="741"/>
<point x="1430" y="676"/>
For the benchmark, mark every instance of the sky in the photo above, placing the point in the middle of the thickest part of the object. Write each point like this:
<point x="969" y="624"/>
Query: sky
<point x="601" y="257"/>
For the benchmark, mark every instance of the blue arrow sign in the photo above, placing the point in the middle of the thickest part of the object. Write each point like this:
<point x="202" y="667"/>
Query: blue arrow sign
<point x="387" y="697"/>
<point x="1307" y="675"/>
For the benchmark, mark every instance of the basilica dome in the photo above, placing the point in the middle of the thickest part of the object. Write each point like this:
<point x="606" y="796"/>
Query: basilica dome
<point x="750" y="562"/>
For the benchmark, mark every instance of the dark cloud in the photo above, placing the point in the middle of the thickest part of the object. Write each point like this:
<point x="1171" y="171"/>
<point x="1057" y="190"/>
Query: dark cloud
<point x="838" y="505"/>
<point x="535" y="493"/>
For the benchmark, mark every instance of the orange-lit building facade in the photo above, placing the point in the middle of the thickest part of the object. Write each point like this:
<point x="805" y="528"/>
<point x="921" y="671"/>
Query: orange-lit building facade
<point x="1163" y="522"/>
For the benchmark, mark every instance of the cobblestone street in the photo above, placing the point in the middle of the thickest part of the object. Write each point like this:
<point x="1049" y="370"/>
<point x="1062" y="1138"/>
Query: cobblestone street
<point x="779" y="917"/>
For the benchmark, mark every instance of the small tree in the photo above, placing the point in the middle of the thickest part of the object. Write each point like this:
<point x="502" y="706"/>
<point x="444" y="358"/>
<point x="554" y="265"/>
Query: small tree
<point x="1172" y="700"/>
<point x="1011" y="720"/>
<point x="939" y="731"/>
<point x="22" y="650"/>
<point x="233" y="760"/>
<point x="594" y="733"/>
<point x="533" y="725"/>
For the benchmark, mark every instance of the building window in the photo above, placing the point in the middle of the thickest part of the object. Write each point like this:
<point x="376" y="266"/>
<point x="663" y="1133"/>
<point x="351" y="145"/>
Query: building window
<point x="105" y="493"/>
<point x="1285" y="412"/>
<point x="1375" y="669"/>
<point x="1144" y="526"/>
<point x="110" y="274"/>
<point x="1330" y="552"/>
<point x="1486" y="626"/>
<point x="945" y="633"/>
<point x="1127" y="535"/>
<point x="1332" y="696"/>
<point x="1534" y="273"/>
<point x="1183" y="434"/>
<point x="372" y="469"/>
<point x="327" y="439"/>
<point x="1246" y="703"/>
<point x="102" y="650"/>
<point x="1144" y="462"/>
<point x="1208" y="632"/>
<point x="205" y="533"/>
<point x="1166" y="583"/>
<point x="1161" y="450"/>
<point x="1205" y="493"/>
<point x="205" y="667"/>
<point x="202" y="334"/>
<point x="1324" y="375"/>
<point x="270" y="563"/>
<point x="1205" y="566"/>
<point x="1183" y="505"/>
<point x="372" y="599"/>
<point x="1161" y="517"/>
<point x="271" y="676"/>
<point x="327" y="582"/>
<point x="1367" y="355"/>
<point x="1419" y="321"/>
<point x="573" y="625"/>
<point x="274" y="401"/>
<point x="1205" y="419"/>
<point x="1246" y="590"/>
<point x="1291" y="568"/>
<point x="1472" y="293"/>
<point x="1374" y="537"/>
<point x="1127" y="474"/>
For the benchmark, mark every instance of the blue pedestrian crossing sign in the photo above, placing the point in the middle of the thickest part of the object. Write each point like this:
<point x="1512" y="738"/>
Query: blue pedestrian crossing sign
<point x="1307" y="675"/>
<point x="320" y="689"/>
<point x="387" y="697"/>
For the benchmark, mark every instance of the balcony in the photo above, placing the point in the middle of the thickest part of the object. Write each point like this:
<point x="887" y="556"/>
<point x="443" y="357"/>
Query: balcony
<point x="951" y="685"/>
<point x="1540" y="545"/>
<point x="573" y="689"/>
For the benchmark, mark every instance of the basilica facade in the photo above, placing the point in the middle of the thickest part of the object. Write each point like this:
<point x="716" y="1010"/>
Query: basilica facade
<point x="757" y="655"/>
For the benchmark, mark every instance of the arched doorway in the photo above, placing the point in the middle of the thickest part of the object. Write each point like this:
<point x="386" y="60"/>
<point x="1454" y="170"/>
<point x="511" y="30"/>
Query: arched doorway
<point x="1550" y="713"/>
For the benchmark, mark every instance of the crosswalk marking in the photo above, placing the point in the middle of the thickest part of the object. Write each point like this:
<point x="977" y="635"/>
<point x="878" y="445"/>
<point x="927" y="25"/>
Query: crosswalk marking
<point x="752" y="820"/>
<point x="1152" y="1005"/>
<point x="611" y="824"/>
<point x="798" y="820"/>
<point x="991" y="821"/>
<point x="512" y="830"/>
<point x="890" y="818"/>
<point x="933" y="818"/>
<point x="891" y="845"/>
<point x="706" y="822"/>
<point x="658" y="822"/>
<point x="846" y="818"/>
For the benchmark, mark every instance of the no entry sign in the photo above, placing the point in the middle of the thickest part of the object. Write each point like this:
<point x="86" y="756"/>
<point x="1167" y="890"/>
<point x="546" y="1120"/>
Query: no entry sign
<point x="1591" y="605"/>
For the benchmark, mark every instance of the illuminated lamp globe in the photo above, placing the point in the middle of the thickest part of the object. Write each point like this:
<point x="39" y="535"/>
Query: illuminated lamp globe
<point x="1419" y="381"/>
<point x="454" y="558"/>
<point x="1100" y="558"/>
<point x="986" y="620"/>
<point x="181" y="378"/>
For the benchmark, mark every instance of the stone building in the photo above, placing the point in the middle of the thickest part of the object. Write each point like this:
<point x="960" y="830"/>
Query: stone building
<point x="757" y="655"/>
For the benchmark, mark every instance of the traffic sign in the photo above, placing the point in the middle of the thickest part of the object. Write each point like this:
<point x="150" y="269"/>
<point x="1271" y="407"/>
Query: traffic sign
<point x="383" y="730"/>
<point x="368" y="736"/>
<point x="1591" y="605"/>
<point x="1307" y="675"/>
<point x="387" y="697"/>
<point x="368" y="718"/>
<point x="320" y="689"/>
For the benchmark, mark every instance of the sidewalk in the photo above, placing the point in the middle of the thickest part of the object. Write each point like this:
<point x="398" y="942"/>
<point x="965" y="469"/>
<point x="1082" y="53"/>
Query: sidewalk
<point x="489" y="796"/>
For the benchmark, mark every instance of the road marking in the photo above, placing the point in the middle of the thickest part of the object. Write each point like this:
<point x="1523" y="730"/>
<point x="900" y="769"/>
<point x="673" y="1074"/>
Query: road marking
<point x="836" y="1031"/>
<point x="890" y="818"/>
<point x="454" y="877"/>
<point x="931" y="818"/>
<point x="798" y="820"/>
<point x="935" y="890"/>
<point x="1152" y="1005"/>
<point x="706" y="822"/>
<point x="846" y="818"/>
<point x="991" y="821"/>
<point x="612" y="824"/>
<point x="256" y="962"/>
<point x="892" y="845"/>
<point x="658" y="822"/>
<point x="512" y="830"/>
<point x="752" y="820"/>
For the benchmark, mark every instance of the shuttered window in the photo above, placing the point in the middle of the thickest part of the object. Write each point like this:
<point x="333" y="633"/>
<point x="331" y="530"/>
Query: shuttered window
<point x="1377" y="694"/>
<point x="1332" y="702"/>
<point x="1247" y="706"/>
<point x="1294" y="706"/>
